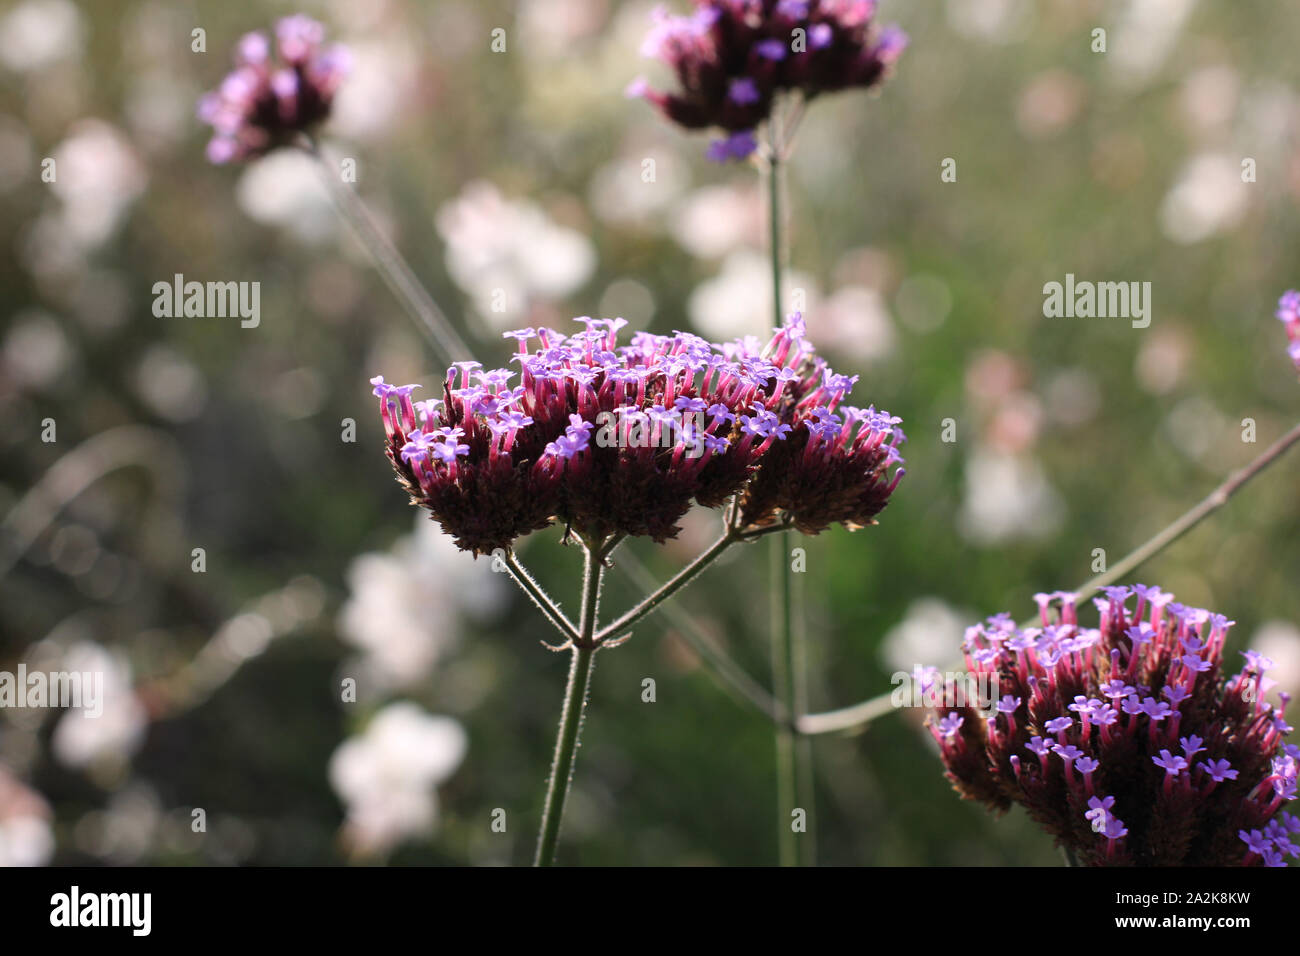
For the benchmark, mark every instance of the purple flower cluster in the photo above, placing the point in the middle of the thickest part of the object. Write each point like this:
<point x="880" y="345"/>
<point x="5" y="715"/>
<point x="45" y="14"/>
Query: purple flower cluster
<point x="732" y="57"/>
<point x="621" y="439"/>
<point x="1127" y="742"/>
<point x="1288" y="312"/>
<point x="263" y="104"/>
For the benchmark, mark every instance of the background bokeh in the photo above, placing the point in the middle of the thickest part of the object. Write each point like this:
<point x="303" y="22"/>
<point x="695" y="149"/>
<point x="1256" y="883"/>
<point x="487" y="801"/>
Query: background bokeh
<point x="522" y="171"/>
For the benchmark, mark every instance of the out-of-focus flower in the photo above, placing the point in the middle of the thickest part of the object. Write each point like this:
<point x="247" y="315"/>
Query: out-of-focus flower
<point x="25" y="835"/>
<point x="929" y="630"/>
<point x="507" y="253"/>
<point x="1007" y="497"/>
<point x="733" y="57"/>
<point x="285" y="190"/>
<point x="1279" y="641"/>
<point x="1288" y="313"/>
<point x="407" y="604"/>
<point x="386" y="776"/>
<point x="37" y="33"/>
<point x="80" y="739"/>
<point x="98" y="176"/>
<point x="35" y="351"/>
<point x="1128" y="742"/>
<point x="724" y="306"/>
<point x="265" y="103"/>
<point x="621" y="439"/>
<point x="854" y="321"/>
<point x="712" y="221"/>
<point x="1146" y="34"/>
<point x="1209" y="198"/>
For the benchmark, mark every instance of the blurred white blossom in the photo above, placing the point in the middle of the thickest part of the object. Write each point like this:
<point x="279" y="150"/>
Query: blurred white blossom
<point x="26" y="838"/>
<point x="284" y="189"/>
<point x="37" y="33"/>
<point x="80" y="740"/>
<point x="505" y="254"/>
<point x="1144" y="37"/>
<point x="407" y="604"/>
<point x="1007" y="497"/>
<point x="98" y="174"/>
<point x="738" y="301"/>
<point x="1208" y="198"/>
<point x="712" y="221"/>
<point x="929" y="634"/>
<point x="386" y="776"/>
<point x="854" y="321"/>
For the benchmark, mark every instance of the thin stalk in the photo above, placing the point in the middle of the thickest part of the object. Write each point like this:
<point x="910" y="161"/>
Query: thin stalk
<point x="539" y="597"/>
<point x="575" y="702"/>
<point x="783" y="682"/>
<point x="683" y="577"/>
<point x="793" y="782"/>
<point x="1211" y="503"/>
<point x="720" y="666"/>
<point x="397" y="274"/>
<point x="858" y="715"/>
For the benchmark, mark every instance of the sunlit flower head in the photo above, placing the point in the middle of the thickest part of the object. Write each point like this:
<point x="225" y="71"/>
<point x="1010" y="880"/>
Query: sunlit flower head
<point x="622" y="439"/>
<point x="1132" y="742"/>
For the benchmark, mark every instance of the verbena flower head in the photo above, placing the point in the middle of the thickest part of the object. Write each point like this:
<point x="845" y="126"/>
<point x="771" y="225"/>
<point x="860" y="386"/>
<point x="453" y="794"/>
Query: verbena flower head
<point x="1132" y="743"/>
<point x="275" y="91"/>
<point x="1288" y="313"/>
<point x="732" y="58"/>
<point x="621" y="439"/>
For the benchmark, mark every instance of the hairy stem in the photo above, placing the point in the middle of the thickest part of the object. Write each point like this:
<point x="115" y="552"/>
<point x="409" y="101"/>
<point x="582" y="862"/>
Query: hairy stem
<point x="673" y="585"/>
<point x="575" y="702"/>
<point x="858" y="715"/>
<point x="793" y="763"/>
<point x="539" y="597"/>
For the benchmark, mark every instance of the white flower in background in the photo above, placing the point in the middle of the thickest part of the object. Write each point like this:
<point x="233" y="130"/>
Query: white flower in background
<point x="738" y="301"/>
<point x="80" y="740"/>
<point x="1007" y="497"/>
<point x="712" y="221"/>
<point x="38" y="33"/>
<point x="1208" y="198"/>
<point x="35" y="352"/>
<point x="386" y="776"/>
<point x="1279" y="641"/>
<point x="993" y="21"/>
<point x="406" y="605"/>
<point x="927" y="635"/>
<point x="98" y="175"/>
<point x="618" y="193"/>
<point x="1144" y="37"/>
<point x="25" y="835"/>
<point x="382" y="78"/>
<point x="854" y="321"/>
<point x="284" y="189"/>
<point x="506" y="254"/>
<point x="548" y="29"/>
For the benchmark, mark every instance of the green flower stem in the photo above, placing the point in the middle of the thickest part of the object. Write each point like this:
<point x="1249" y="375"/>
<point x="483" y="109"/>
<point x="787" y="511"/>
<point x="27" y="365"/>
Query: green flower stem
<point x="851" y="718"/>
<point x="575" y="702"/>
<point x="674" y="584"/>
<point x="793" y="784"/>
<point x="732" y="535"/>
<point x="539" y="597"/>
